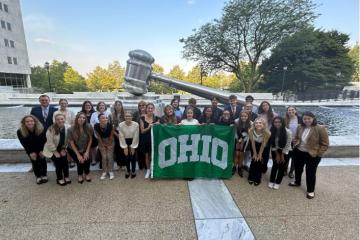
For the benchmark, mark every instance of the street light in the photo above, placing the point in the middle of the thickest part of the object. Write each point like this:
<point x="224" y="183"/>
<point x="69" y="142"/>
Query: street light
<point x="47" y="66"/>
<point x="283" y="80"/>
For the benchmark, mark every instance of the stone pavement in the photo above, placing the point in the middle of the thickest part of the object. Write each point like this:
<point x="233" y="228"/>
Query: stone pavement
<point x="162" y="209"/>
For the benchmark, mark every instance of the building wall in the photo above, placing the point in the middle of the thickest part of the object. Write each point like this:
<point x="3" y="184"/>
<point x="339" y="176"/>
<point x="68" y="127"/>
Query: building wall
<point x="17" y="35"/>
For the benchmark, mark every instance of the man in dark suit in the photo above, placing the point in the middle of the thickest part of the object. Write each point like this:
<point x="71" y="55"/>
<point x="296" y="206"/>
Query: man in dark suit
<point x="234" y="107"/>
<point x="44" y="112"/>
<point x="217" y="112"/>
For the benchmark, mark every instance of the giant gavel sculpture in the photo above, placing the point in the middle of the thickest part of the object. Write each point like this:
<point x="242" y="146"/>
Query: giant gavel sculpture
<point x="138" y="74"/>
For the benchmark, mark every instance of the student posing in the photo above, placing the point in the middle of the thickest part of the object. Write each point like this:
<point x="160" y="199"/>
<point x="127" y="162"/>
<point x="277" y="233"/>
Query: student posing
<point x="280" y="143"/>
<point x="311" y="142"/>
<point x="31" y="135"/>
<point x="79" y="141"/>
<point x="55" y="148"/>
<point x="258" y="136"/>
<point x="129" y="141"/>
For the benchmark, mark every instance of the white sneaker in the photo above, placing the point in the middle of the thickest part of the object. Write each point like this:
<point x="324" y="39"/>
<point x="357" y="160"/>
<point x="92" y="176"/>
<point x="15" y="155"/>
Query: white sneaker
<point x="111" y="174"/>
<point x="103" y="176"/>
<point x="271" y="185"/>
<point x="276" y="186"/>
<point x="147" y="175"/>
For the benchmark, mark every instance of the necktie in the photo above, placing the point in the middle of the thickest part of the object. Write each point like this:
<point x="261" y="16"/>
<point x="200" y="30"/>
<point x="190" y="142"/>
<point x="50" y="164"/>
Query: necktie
<point x="45" y="114"/>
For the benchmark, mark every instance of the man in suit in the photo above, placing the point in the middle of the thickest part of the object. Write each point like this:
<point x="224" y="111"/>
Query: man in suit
<point x="217" y="112"/>
<point x="234" y="107"/>
<point x="44" y="112"/>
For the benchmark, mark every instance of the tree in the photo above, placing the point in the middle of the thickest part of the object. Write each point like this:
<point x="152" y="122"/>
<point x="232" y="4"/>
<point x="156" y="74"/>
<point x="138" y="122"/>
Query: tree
<point x="354" y="55"/>
<point x="246" y="30"/>
<point x="101" y="79"/>
<point x="39" y="78"/>
<point x="57" y="70"/>
<point x="194" y="75"/>
<point x="158" y="87"/>
<point x="73" y="81"/>
<point x="309" y="59"/>
<point x="117" y="72"/>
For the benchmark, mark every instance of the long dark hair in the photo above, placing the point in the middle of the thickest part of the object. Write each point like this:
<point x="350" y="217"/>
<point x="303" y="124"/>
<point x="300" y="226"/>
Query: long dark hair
<point x="269" y="114"/>
<point x="308" y="114"/>
<point x="205" y="119"/>
<point x="240" y="125"/>
<point x="86" y="127"/>
<point x="83" y="107"/>
<point x="280" y="133"/>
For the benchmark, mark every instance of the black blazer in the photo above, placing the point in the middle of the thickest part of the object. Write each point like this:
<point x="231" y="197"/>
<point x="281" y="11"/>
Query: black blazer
<point x="37" y="112"/>
<point x="237" y="112"/>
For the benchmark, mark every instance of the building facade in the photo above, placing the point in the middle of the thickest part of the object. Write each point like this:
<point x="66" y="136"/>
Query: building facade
<point x="14" y="60"/>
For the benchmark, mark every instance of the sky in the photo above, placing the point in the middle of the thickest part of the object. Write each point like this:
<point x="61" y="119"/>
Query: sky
<point x="90" y="33"/>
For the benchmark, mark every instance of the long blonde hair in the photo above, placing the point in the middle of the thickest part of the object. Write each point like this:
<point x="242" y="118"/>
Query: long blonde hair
<point x="38" y="128"/>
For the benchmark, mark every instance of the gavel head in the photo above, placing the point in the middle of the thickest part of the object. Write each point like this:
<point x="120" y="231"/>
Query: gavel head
<point x="138" y="72"/>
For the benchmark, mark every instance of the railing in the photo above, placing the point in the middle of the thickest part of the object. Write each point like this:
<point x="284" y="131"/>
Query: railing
<point x="318" y="96"/>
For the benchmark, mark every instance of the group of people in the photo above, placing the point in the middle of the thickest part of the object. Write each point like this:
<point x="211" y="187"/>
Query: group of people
<point x="100" y="135"/>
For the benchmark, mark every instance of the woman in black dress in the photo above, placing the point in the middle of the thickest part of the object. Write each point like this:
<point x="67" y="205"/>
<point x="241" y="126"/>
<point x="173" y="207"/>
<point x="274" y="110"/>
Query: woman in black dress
<point x="31" y="135"/>
<point x="146" y="123"/>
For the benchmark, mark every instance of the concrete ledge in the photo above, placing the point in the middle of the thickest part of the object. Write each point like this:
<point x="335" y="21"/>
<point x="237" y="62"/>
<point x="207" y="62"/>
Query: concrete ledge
<point x="11" y="150"/>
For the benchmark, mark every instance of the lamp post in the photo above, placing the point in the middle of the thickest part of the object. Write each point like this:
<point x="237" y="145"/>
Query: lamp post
<point x="47" y="66"/>
<point x="283" y="80"/>
<point x="201" y="74"/>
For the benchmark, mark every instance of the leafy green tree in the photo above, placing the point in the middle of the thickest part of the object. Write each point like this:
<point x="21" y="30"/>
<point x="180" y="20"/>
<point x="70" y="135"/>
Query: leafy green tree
<point x="73" y="81"/>
<point x="57" y="70"/>
<point x="245" y="32"/>
<point x="39" y="79"/>
<point x="158" y="87"/>
<point x="309" y="59"/>
<point x="118" y="73"/>
<point x="354" y="55"/>
<point x="100" y="79"/>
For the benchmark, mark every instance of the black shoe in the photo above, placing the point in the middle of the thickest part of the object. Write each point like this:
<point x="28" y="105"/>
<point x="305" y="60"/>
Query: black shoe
<point x="246" y="168"/>
<point x="188" y="179"/>
<point x="61" y="184"/>
<point x="256" y="183"/>
<point x="291" y="175"/>
<point x="250" y="182"/>
<point x="71" y="164"/>
<point x="294" y="184"/>
<point x="93" y="163"/>
<point x="240" y="172"/>
<point x="88" y="179"/>
<point x="127" y="175"/>
<point x="38" y="181"/>
<point x="233" y="171"/>
<point x="81" y="181"/>
<point x="133" y="175"/>
<point x="308" y="196"/>
<point x="44" y="180"/>
<point x="68" y="181"/>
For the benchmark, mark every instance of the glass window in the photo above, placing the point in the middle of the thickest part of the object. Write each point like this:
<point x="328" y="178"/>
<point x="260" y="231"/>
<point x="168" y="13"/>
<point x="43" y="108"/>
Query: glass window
<point x="15" y="60"/>
<point x="3" y="24"/>
<point x="6" y="42"/>
<point x="12" y="44"/>
<point x="9" y="60"/>
<point x="0" y="6"/>
<point x="9" y="26"/>
<point x="6" y="8"/>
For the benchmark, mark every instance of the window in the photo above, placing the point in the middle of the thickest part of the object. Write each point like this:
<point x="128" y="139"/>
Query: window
<point x="0" y="6"/>
<point x="9" y="60"/>
<point x="15" y="60"/>
<point x="6" y="8"/>
<point x="3" y="24"/>
<point x="12" y="44"/>
<point x="8" y="26"/>
<point x="6" y="42"/>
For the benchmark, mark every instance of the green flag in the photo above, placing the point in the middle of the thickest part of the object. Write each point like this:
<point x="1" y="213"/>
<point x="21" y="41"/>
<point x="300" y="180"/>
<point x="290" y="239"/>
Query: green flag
<point x="180" y="151"/>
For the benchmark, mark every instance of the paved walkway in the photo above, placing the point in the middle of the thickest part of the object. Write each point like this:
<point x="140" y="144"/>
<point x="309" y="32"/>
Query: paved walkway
<point x="142" y="209"/>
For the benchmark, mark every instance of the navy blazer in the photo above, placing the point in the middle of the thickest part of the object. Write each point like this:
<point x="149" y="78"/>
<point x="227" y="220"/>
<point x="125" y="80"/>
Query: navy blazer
<point x="237" y="112"/>
<point x="37" y="112"/>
